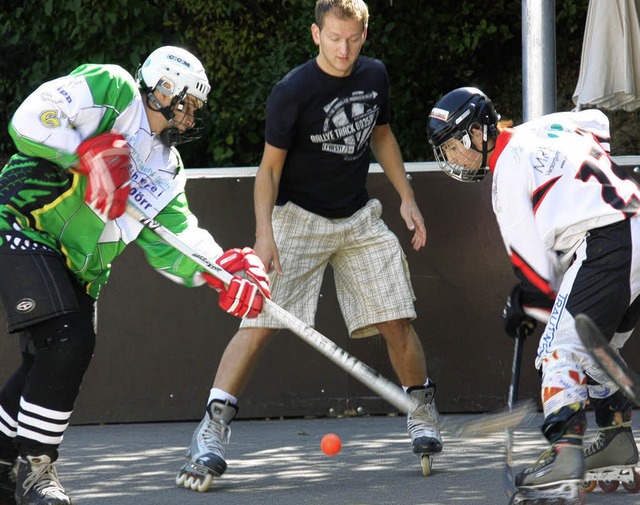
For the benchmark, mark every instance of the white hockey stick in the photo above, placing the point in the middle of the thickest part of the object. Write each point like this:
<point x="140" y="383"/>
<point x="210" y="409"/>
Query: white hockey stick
<point x="364" y="373"/>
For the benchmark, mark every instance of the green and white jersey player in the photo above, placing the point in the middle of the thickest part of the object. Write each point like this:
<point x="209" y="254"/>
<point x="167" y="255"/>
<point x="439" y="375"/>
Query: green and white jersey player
<point x="95" y="99"/>
<point x="88" y="144"/>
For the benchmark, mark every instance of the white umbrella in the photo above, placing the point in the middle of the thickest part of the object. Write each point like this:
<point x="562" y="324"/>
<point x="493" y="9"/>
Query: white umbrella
<point x="610" y="64"/>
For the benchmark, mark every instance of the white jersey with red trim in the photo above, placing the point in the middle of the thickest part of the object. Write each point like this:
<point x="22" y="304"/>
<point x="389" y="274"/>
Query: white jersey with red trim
<point x="553" y="181"/>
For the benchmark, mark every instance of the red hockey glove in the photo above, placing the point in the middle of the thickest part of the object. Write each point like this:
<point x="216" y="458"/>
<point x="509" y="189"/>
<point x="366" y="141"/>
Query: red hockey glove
<point x="236" y="260"/>
<point x="104" y="159"/>
<point x="240" y="298"/>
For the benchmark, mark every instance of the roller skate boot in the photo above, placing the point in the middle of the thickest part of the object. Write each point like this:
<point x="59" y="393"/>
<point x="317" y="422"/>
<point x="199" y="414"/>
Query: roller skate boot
<point x="422" y="425"/>
<point x="611" y="459"/>
<point x="557" y="476"/>
<point x="37" y="482"/>
<point x="7" y="482"/>
<point x="205" y="455"/>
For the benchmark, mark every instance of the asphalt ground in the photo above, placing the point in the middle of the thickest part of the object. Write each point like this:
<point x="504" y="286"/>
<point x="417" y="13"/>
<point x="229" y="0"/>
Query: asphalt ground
<point x="279" y="462"/>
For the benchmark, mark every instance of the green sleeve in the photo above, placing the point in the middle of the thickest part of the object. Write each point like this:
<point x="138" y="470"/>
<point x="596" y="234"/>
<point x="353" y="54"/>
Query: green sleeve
<point x="177" y="218"/>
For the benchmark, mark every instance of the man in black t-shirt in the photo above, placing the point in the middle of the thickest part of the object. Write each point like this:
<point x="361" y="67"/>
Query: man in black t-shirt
<point x="312" y="209"/>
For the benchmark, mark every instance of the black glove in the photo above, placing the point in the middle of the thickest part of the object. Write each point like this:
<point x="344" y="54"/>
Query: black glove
<point x="513" y="315"/>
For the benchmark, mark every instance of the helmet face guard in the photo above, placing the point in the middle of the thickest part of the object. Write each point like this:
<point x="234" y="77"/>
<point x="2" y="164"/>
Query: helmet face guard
<point x="450" y="126"/>
<point x="455" y="165"/>
<point x="172" y="136"/>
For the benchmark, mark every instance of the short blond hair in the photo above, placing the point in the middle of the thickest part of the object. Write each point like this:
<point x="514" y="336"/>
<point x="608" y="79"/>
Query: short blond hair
<point x="343" y="9"/>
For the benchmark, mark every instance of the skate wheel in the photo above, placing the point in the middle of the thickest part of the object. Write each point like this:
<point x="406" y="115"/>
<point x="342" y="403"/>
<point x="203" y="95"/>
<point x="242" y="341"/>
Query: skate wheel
<point x="204" y="484"/>
<point x="425" y="462"/>
<point x="635" y="487"/>
<point x="200" y="483"/>
<point x="589" y="485"/>
<point x="608" y="486"/>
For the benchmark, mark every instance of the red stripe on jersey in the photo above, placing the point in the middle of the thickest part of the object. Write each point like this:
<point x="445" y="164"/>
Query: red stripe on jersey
<point x="531" y="275"/>
<point x="541" y="192"/>
<point x="501" y="142"/>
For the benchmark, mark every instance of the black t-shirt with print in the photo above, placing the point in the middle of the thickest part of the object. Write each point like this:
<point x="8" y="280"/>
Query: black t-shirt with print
<point x="325" y="123"/>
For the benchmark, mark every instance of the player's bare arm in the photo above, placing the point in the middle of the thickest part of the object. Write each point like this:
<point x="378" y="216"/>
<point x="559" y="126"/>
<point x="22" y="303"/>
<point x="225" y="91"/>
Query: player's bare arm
<point x="265" y="193"/>
<point x="386" y="150"/>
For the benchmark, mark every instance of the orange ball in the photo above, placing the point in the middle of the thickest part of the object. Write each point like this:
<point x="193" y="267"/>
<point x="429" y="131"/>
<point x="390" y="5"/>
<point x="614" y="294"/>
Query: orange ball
<point x="330" y="444"/>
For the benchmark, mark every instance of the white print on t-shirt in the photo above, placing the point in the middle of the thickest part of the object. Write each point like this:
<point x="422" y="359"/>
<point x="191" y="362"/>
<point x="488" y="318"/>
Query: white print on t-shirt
<point x="348" y="125"/>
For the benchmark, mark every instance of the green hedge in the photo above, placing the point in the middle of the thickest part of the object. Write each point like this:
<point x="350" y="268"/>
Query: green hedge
<point x="246" y="46"/>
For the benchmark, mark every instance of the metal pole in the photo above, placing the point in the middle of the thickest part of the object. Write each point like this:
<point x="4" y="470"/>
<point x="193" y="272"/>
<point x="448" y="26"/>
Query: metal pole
<point x="538" y="58"/>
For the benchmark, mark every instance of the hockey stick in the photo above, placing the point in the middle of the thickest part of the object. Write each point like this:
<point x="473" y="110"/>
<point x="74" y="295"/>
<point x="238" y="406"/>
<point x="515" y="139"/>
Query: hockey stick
<point x="364" y="373"/>
<point x="521" y="334"/>
<point x="609" y="360"/>
<point x="494" y="422"/>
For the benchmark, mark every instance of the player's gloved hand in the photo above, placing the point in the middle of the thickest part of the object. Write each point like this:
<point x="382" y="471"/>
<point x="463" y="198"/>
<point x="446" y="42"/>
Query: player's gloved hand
<point x="104" y="159"/>
<point x="237" y="260"/>
<point x="513" y="315"/>
<point x="241" y="298"/>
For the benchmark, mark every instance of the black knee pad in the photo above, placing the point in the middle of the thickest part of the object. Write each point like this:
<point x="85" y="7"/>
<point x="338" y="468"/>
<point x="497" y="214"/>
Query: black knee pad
<point x="62" y="349"/>
<point x="70" y="337"/>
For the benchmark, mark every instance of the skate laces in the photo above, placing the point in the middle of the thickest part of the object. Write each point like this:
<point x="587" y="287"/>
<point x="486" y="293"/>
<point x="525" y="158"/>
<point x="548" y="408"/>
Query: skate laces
<point x="597" y="445"/>
<point x="44" y="478"/>
<point x="604" y="435"/>
<point x="424" y="420"/>
<point x="215" y="435"/>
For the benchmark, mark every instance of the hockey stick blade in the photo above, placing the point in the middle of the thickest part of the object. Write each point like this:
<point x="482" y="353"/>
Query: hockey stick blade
<point x="350" y="364"/>
<point x="609" y="360"/>
<point x="495" y="421"/>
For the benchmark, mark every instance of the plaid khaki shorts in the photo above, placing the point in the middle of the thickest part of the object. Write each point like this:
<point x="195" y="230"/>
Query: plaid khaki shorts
<point x="370" y="269"/>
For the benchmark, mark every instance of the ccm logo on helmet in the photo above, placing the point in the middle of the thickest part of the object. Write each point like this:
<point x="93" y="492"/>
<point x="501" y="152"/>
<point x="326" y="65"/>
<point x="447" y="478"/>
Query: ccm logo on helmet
<point x="179" y="60"/>
<point x="25" y="305"/>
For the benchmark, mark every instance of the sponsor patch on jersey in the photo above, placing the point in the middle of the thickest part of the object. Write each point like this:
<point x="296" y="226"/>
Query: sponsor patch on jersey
<point x="49" y="119"/>
<point x="25" y="305"/>
<point x="546" y="161"/>
<point x="440" y="114"/>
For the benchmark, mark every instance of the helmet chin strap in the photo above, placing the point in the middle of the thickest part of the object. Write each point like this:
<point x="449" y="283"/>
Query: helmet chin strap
<point x="170" y="135"/>
<point x="166" y="111"/>
<point x="485" y="142"/>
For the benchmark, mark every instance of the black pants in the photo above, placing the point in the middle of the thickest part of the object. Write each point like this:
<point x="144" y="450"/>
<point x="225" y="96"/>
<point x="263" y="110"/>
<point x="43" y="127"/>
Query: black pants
<point x="51" y="314"/>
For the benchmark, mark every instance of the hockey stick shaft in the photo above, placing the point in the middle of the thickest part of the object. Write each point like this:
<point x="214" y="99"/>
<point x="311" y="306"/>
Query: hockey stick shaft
<point x="364" y="373"/>
<point x="515" y="367"/>
<point x="511" y="400"/>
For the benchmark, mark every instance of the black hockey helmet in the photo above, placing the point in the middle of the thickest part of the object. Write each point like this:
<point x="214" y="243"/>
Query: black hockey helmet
<point x="452" y="117"/>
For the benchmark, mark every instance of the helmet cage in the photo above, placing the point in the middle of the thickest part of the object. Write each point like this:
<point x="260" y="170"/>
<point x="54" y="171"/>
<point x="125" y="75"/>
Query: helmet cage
<point x="172" y="136"/>
<point x="457" y="169"/>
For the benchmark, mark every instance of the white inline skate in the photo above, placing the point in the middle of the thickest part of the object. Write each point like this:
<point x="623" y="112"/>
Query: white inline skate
<point x="611" y="460"/>
<point x="422" y="425"/>
<point x="205" y="455"/>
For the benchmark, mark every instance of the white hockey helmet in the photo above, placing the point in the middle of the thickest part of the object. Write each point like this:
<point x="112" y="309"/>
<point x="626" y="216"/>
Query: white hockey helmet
<point x="175" y="71"/>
